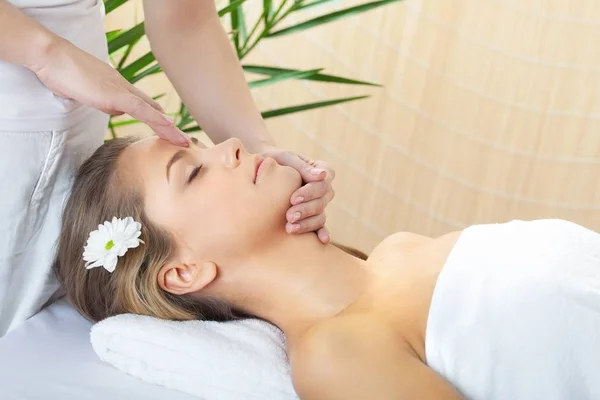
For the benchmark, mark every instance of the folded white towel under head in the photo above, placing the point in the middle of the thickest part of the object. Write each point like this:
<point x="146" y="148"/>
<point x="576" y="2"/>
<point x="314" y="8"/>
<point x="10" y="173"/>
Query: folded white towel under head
<point x="214" y="361"/>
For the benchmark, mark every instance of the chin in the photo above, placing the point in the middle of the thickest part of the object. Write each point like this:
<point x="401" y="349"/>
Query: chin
<point x="279" y="185"/>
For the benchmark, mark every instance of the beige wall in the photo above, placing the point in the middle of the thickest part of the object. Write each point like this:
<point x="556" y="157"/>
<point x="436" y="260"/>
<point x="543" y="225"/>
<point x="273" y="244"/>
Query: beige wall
<point x="490" y="112"/>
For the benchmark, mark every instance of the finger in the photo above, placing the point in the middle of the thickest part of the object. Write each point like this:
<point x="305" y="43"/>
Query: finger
<point x="153" y="103"/>
<point x="310" y="191"/>
<point x="311" y="224"/>
<point x="307" y="171"/>
<point x="306" y="210"/>
<point x="324" y="165"/>
<point x="161" y="124"/>
<point x="324" y="235"/>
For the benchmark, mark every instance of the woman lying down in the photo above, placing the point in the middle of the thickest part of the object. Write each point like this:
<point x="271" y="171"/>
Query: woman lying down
<point x="504" y="311"/>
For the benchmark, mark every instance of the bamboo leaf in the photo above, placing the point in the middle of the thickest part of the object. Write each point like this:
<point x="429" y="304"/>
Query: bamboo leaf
<point x="323" y="19"/>
<point x="283" y="77"/>
<point x="110" y="35"/>
<point x="124" y="123"/>
<point x="126" y="38"/>
<point x="310" y="106"/>
<point x="303" y="5"/>
<point x="238" y="24"/>
<point x="129" y="71"/>
<point x="185" y="116"/>
<point x="293" y="109"/>
<point x="272" y="71"/>
<point x="125" y="56"/>
<point x="191" y="129"/>
<point x="111" y="5"/>
<point x="233" y="4"/>
<point x="267" y="11"/>
<point x="155" y="69"/>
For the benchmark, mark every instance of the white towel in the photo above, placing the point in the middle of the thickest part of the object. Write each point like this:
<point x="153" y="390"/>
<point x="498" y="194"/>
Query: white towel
<point x="515" y="313"/>
<point x="232" y="360"/>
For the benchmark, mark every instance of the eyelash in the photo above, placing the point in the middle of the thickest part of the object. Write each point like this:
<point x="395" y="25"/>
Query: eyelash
<point x="194" y="174"/>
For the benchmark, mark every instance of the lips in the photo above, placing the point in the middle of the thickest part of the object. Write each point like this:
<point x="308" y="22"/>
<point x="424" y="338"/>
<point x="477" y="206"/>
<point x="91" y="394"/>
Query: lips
<point x="257" y="164"/>
<point x="261" y="165"/>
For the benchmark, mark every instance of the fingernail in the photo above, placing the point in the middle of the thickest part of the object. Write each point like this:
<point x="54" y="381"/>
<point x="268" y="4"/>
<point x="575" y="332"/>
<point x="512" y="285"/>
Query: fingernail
<point x="316" y="171"/>
<point x="186" y="138"/>
<point x="292" y="228"/>
<point x="325" y="238"/>
<point x="296" y="216"/>
<point x="298" y="200"/>
<point x="168" y="118"/>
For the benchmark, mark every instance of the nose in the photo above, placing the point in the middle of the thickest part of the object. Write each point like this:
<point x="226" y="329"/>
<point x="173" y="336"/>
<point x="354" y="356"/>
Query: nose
<point x="231" y="152"/>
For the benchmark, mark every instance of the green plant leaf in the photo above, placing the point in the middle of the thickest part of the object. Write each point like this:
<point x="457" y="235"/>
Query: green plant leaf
<point x="110" y="35"/>
<point x="185" y="117"/>
<point x="129" y="71"/>
<point x="272" y="71"/>
<point x="293" y="109"/>
<point x="155" y="69"/>
<point x="283" y="77"/>
<point x="233" y="4"/>
<point x="111" y="5"/>
<point x="303" y="5"/>
<point x="124" y="123"/>
<point x="267" y="11"/>
<point x="126" y="38"/>
<point x="323" y="19"/>
<point x="238" y="24"/>
<point x="278" y="11"/>
<point x="125" y="56"/>
<point x="310" y="106"/>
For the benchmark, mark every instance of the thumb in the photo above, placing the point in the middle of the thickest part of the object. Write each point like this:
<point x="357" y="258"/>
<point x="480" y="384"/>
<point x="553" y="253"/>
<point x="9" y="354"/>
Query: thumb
<point x="160" y="123"/>
<point x="307" y="171"/>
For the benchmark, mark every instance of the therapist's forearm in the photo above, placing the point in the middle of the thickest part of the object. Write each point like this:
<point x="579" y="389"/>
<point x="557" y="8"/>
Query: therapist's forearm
<point x="23" y="41"/>
<point x="194" y="51"/>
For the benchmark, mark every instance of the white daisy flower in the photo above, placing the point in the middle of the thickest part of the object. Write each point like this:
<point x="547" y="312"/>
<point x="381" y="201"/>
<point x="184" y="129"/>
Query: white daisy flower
<point x="110" y="241"/>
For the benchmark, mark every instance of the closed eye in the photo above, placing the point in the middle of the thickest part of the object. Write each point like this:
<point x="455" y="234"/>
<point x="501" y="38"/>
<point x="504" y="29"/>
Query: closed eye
<point x="194" y="173"/>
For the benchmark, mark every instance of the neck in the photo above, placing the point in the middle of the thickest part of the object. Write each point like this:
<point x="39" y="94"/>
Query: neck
<point x="297" y="282"/>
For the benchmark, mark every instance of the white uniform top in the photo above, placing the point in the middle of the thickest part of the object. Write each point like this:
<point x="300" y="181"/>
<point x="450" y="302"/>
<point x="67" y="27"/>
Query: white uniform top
<point x="43" y="140"/>
<point x="25" y="104"/>
<point x="515" y="313"/>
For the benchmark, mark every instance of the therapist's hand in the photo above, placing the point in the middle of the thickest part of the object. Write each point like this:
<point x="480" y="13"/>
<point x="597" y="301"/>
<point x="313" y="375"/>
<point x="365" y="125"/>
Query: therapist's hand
<point x="72" y="73"/>
<point x="307" y="213"/>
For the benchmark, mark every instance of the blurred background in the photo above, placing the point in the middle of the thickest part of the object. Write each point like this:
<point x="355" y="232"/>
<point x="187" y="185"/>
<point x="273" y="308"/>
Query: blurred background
<point x="489" y="111"/>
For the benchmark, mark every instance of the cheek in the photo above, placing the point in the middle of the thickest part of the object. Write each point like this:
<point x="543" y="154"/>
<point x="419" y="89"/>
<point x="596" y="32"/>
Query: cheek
<point x="230" y="215"/>
<point x="221" y="212"/>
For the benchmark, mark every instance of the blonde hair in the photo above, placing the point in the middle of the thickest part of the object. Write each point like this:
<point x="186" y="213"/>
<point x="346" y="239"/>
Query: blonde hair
<point x="101" y="191"/>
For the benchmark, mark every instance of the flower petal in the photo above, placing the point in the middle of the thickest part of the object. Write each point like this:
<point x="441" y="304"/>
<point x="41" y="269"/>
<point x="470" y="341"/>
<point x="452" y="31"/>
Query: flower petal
<point x="97" y="263"/>
<point x="110" y="262"/>
<point x="132" y="243"/>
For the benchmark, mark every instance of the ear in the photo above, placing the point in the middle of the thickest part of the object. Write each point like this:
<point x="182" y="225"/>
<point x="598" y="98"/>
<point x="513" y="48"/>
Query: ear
<point x="184" y="278"/>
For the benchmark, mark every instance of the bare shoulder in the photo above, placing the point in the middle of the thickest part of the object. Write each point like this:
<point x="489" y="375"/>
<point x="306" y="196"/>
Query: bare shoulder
<point x="324" y="352"/>
<point x="406" y="242"/>
<point x="358" y="357"/>
<point x="402" y="242"/>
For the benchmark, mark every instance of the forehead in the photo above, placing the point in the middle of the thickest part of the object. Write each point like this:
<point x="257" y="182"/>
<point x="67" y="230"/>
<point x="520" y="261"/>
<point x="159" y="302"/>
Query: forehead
<point x="148" y="155"/>
<point x="154" y="146"/>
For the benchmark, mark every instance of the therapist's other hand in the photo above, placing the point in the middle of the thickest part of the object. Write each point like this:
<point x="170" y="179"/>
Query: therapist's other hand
<point x="307" y="213"/>
<point x="72" y="73"/>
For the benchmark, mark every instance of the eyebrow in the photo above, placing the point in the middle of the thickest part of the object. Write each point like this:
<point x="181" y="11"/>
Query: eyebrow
<point x="177" y="156"/>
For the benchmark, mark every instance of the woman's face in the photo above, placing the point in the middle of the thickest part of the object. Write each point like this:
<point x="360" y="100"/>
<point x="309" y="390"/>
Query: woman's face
<point x="218" y="202"/>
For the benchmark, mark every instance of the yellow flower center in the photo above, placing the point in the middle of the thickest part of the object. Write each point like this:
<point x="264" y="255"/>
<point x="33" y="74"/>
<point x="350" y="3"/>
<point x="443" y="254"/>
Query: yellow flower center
<point x="109" y="245"/>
